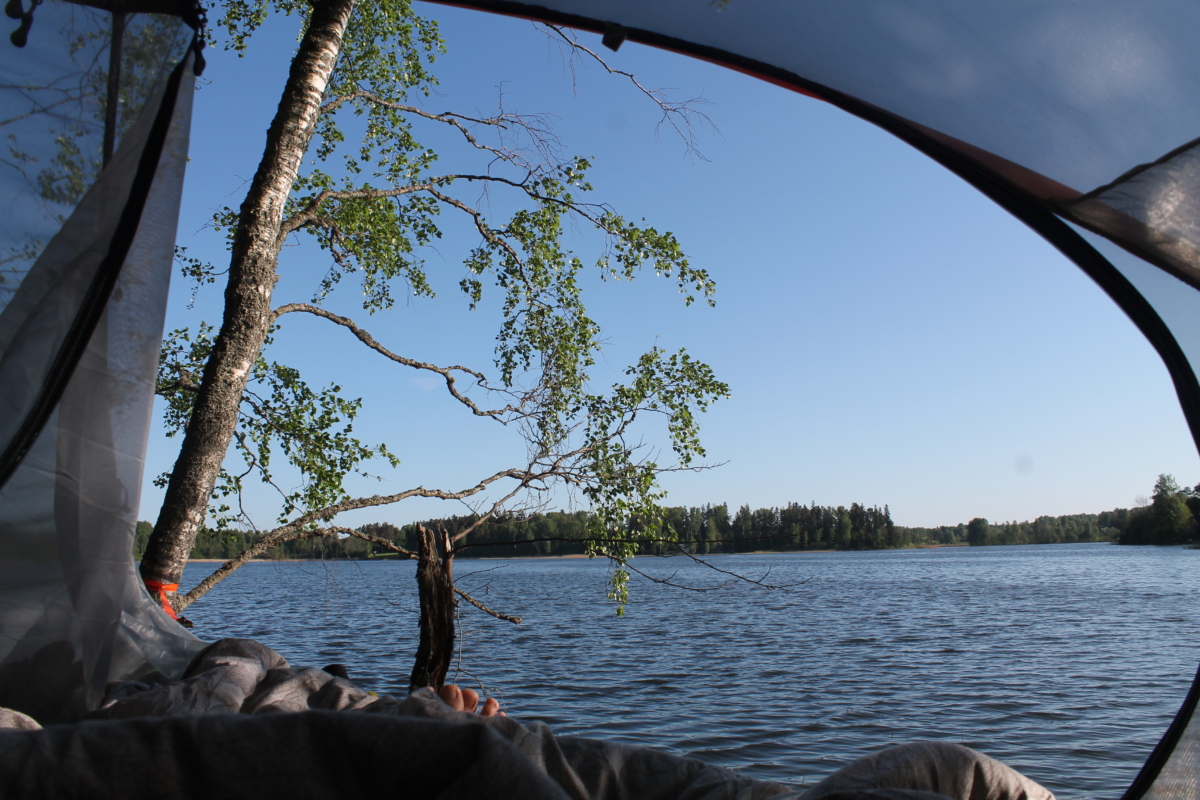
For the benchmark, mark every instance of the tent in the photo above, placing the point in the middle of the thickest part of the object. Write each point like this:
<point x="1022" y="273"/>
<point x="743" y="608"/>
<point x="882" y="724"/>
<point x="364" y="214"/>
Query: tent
<point x="85" y="265"/>
<point x="1080" y="119"/>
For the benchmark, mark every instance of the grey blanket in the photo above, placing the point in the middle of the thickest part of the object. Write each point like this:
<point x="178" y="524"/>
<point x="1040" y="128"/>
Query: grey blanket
<point x="220" y="732"/>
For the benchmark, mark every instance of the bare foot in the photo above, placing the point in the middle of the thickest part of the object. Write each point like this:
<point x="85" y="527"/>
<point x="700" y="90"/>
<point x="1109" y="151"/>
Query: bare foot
<point x="468" y="700"/>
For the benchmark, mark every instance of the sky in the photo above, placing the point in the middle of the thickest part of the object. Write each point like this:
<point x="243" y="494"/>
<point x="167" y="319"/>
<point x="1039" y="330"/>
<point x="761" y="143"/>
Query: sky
<point x="889" y="335"/>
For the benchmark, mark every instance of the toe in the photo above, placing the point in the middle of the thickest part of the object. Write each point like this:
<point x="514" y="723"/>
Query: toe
<point x="452" y="696"/>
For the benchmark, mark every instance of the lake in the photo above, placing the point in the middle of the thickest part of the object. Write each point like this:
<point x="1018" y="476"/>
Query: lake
<point x="1066" y="661"/>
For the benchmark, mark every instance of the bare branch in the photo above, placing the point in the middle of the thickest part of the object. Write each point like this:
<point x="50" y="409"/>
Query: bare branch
<point x="482" y="607"/>
<point x="602" y="539"/>
<point x="383" y="500"/>
<point x="683" y="117"/>
<point x="736" y="577"/>
<point x="496" y="506"/>
<point x="742" y="578"/>
<point x="379" y="540"/>
<point x="544" y="139"/>
<point x="668" y="582"/>
<point x="446" y="372"/>
<point x="487" y="233"/>
<point x="298" y="528"/>
<point x="680" y="548"/>
<point x="221" y="573"/>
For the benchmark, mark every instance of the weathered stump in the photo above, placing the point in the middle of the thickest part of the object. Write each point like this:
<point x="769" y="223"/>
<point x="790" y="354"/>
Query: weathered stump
<point x="435" y="587"/>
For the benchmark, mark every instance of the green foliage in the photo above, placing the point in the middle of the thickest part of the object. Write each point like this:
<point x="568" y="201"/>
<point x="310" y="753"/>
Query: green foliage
<point x="977" y="532"/>
<point x="140" y="537"/>
<point x="200" y="273"/>
<point x="69" y="173"/>
<point x="311" y="428"/>
<point x="622" y="488"/>
<point x="1169" y="518"/>
<point x="1066" y="529"/>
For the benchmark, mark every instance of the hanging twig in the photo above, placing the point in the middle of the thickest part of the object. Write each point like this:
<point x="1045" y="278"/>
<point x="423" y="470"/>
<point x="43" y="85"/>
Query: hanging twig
<point x="683" y="117"/>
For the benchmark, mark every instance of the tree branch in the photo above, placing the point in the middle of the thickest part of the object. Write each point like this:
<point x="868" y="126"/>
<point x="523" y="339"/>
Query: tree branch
<point x="682" y="116"/>
<point x="482" y="607"/>
<point x="529" y="479"/>
<point x="446" y="372"/>
<point x="544" y="139"/>
<point x="379" y="540"/>
<point x="298" y="528"/>
<point x="308" y="214"/>
<point x="738" y="576"/>
<point x="668" y="582"/>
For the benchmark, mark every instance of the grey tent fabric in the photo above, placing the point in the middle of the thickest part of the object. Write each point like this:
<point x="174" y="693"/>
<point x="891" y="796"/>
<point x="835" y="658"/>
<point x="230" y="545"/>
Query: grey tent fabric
<point x="67" y="222"/>
<point x="73" y="613"/>
<point x="1154" y="207"/>
<point x="1179" y="777"/>
<point x="53" y="104"/>
<point x="422" y="751"/>
<point x="184" y="9"/>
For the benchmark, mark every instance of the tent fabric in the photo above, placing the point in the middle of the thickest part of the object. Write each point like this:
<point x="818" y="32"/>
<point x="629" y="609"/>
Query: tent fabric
<point x="61" y="261"/>
<point x="80" y="328"/>
<point x="1179" y="776"/>
<point x="184" y="9"/>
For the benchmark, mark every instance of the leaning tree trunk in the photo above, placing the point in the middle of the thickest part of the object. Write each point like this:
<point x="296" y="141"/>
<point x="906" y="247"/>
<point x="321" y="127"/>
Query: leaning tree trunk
<point x="248" y="315"/>
<point x="435" y="586"/>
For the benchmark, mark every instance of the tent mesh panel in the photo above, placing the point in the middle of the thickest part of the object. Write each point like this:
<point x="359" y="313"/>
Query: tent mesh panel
<point x="89" y="248"/>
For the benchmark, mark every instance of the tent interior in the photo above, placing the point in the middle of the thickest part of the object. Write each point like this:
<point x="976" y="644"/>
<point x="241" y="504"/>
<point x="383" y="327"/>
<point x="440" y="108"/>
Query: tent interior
<point x="1111" y="179"/>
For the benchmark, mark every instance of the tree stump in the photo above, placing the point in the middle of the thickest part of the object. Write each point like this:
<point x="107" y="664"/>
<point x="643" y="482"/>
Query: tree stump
<point x="435" y="587"/>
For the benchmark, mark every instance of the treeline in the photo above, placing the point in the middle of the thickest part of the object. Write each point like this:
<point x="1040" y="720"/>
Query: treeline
<point x="1169" y="519"/>
<point x="707" y="529"/>
<point x="1067" y="529"/>
<point x="227" y="544"/>
<point x="792" y="528"/>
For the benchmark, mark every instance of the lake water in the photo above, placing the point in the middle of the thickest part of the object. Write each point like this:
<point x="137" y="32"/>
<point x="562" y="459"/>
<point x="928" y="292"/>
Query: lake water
<point x="1066" y="661"/>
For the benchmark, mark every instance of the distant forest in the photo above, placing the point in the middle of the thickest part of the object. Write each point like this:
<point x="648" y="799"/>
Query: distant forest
<point x="1169" y="519"/>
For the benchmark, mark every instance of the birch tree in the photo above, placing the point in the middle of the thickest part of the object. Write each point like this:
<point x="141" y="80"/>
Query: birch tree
<point x="372" y="204"/>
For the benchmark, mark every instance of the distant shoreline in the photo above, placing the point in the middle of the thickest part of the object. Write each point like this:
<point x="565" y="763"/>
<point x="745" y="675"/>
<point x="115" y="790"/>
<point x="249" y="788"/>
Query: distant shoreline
<point x="571" y="555"/>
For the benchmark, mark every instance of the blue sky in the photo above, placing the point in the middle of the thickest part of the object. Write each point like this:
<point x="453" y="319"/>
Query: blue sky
<point x="889" y="335"/>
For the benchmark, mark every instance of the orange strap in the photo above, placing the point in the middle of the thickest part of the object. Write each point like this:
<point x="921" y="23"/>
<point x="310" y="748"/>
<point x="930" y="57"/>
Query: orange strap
<point x="159" y="590"/>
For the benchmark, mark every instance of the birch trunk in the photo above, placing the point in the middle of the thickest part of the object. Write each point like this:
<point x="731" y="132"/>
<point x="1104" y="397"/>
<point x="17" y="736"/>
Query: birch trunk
<point x="248" y="317"/>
